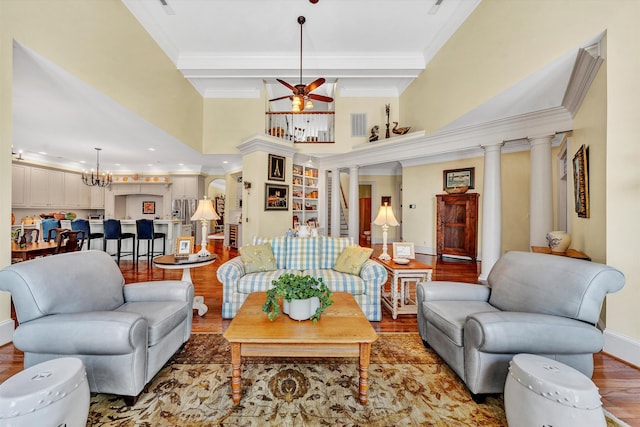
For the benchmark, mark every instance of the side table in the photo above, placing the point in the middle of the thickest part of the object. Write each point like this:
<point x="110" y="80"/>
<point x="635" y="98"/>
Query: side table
<point x="571" y="253"/>
<point x="398" y="300"/>
<point x="169" y="262"/>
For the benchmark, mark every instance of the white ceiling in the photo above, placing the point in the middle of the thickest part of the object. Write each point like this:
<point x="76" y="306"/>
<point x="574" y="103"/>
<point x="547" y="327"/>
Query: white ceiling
<point x="228" y="48"/>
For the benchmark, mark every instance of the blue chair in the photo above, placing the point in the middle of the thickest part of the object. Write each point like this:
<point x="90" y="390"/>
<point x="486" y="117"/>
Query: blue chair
<point x="113" y="231"/>
<point x="83" y="225"/>
<point x="145" y="231"/>
<point x="49" y="224"/>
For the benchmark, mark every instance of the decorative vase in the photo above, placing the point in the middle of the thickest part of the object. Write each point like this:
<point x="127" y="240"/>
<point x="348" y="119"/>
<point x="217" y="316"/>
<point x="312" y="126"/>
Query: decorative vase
<point x="303" y="231"/>
<point x="558" y="241"/>
<point x="457" y="190"/>
<point x="300" y="309"/>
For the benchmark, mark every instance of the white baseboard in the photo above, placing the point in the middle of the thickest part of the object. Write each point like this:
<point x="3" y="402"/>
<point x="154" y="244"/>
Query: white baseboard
<point x="621" y="346"/>
<point x="6" y="331"/>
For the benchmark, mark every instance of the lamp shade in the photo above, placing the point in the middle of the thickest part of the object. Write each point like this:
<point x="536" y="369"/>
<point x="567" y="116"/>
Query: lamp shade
<point x="386" y="217"/>
<point x="205" y="211"/>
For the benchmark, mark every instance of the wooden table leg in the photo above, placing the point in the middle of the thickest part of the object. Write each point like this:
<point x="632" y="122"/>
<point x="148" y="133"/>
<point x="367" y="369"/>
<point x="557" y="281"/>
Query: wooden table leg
<point x="236" y="381"/>
<point x="365" y="350"/>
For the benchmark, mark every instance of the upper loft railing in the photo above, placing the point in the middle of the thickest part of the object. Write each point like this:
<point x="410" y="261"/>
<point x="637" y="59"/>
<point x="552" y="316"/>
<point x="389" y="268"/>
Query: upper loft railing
<point x="304" y="127"/>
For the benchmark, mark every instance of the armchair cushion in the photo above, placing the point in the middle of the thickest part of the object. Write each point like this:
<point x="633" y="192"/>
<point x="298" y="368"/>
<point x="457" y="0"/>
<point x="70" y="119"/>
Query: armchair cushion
<point x="162" y="316"/>
<point x="450" y="316"/>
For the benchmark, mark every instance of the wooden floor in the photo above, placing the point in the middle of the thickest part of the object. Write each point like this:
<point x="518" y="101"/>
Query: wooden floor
<point x="618" y="382"/>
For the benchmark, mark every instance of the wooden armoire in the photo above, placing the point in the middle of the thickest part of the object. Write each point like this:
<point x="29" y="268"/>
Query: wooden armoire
<point x="457" y="225"/>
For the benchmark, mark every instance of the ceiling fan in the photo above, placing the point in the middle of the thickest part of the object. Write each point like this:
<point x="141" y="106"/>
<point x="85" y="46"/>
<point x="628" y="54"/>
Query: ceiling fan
<point x="301" y="94"/>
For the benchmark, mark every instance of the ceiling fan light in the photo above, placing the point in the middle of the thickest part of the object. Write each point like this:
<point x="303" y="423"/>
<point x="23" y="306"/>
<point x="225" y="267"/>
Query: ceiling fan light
<point x="296" y="101"/>
<point x="295" y="108"/>
<point x="308" y="105"/>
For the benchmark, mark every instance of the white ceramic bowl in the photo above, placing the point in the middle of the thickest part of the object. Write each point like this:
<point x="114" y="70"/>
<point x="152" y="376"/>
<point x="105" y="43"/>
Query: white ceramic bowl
<point x="401" y="260"/>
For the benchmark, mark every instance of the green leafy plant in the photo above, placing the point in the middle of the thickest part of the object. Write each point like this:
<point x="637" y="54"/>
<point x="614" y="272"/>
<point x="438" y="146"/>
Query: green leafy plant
<point x="292" y="286"/>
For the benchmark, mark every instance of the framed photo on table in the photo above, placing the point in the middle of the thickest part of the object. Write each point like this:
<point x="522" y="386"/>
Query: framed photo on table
<point x="403" y="250"/>
<point x="184" y="247"/>
<point x="276" y="168"/>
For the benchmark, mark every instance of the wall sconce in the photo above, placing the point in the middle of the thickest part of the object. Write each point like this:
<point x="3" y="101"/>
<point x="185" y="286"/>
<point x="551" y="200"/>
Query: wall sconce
<point x="247" y="185"/>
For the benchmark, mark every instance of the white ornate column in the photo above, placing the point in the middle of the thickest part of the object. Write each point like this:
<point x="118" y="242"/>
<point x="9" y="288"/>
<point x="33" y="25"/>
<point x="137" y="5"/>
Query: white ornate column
<point x="354" y="204"/>
<point x="541" y="190"/>
<point x="491" y="210"/>
<point x="335" y="202"/>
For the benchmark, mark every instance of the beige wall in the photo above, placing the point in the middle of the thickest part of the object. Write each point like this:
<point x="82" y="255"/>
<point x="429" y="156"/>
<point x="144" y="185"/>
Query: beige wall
<point x="227" y="122"/>
<point x="260" y="222"/>
<point x="503" y="42"/>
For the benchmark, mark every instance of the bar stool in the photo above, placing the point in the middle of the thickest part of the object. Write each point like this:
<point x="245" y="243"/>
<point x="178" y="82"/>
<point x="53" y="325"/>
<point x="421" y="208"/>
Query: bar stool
<point x="113" y="231"/>
<point x="83" y="225"/>
<point x="49" y="224"/>
<point x="145" y="231"/>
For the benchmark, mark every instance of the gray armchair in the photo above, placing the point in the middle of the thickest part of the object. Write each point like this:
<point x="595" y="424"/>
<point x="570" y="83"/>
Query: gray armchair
<point x="76" y="305"/>
<point x="534" y="303"/>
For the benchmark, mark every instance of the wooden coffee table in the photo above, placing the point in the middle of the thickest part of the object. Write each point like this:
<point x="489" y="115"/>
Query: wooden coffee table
<point x="342" y="331"/>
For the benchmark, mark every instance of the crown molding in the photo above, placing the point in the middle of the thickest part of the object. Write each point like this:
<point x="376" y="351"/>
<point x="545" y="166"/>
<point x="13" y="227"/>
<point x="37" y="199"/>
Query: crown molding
<point x="266" y="143"/>
<point x="417" y="148"/>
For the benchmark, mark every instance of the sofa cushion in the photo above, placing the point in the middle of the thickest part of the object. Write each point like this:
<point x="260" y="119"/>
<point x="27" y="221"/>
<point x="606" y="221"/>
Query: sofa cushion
<point x="278" y="246"/>
<point x="331" y="248"/>
<point x="449" y="316"/>
<point x="162" y="316"/>
<point x="261" y="282"/>
<point x="351" y="259"/>
<point x="339" y="282"/>
<point x="258" y="258"/>
<point x="303" y="253"/>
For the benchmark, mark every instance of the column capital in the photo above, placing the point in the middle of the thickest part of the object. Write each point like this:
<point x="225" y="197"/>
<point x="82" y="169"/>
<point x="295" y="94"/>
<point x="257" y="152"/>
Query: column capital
<point x="540" y="139"/>
<point x="493" y="147"/>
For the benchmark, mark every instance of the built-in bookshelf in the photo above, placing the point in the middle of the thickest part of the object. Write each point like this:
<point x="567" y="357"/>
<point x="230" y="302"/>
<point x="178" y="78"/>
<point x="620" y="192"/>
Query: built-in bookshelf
<point x="304" y="195"/>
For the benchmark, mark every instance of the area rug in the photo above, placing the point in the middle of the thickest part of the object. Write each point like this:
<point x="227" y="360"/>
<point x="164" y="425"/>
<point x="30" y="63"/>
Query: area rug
<point x="408" y="386"/>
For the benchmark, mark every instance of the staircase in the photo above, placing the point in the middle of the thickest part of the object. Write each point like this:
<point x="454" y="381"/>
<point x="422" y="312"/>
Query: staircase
<point x="344" y="226"/>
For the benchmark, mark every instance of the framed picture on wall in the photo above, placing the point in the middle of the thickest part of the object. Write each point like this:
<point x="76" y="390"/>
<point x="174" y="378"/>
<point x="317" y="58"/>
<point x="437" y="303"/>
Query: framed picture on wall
<point x="276" y="197"/>
<point x="149" y="208"/>
<point x="276" y="168"/>
<point x="581" y="181"/>
<point x="452" y="178"/>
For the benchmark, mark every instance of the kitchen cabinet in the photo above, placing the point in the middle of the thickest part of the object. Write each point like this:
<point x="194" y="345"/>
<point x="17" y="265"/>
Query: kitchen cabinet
<point x="76" y="193"/>
<point x="187" y="187"/>
<point x="457" y="225"/>
<point x="20" y="175"/>
<point x="97" y="198"/>
<point x="304" y="195"/>
<point x="46" y="188"/>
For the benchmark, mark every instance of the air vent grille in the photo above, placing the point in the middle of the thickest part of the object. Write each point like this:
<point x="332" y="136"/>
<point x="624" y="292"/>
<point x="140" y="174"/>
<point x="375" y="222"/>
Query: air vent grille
<point x="358" y="124"/>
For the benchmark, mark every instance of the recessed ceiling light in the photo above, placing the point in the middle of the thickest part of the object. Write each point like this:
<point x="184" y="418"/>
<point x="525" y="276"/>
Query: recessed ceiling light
<point x="225" y="162"/>
<point x="149" y="164"/>
<point x="82" y="161"/>
<point x="42" y="152"/>
<point x="152" y="149"/>
<point x="117" y="164"/>
<point x="180" y="164"/>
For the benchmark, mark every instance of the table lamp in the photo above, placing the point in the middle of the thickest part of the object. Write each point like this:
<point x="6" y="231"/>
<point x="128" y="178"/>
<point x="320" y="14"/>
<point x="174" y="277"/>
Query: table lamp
<point x="385" y="218"/>
<point x="204" y="214"/>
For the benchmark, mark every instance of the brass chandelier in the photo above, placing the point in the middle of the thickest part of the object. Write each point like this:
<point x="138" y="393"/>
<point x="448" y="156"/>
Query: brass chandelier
<point x="97" y="178"/>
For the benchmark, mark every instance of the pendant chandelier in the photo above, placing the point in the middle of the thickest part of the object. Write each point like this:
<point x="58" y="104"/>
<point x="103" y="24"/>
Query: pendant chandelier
<point x="96" y="178"/>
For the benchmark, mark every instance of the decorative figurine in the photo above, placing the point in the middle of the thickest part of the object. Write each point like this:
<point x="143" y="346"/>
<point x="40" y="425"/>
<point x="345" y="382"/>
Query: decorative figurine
<point x="387" y="108"/>
<point x="400" y="131"/>
<point x="374" y="133"/>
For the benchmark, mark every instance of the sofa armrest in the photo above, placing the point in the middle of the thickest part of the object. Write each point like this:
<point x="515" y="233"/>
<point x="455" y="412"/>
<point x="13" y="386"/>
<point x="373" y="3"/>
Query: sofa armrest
<point x="229" y="274"/>
<point x="517" y="332"/>
<point x="451" y="291"/>
<point x="88" y="333"/>
<point x="163" y="290"/>
<point x="373" y="273"/>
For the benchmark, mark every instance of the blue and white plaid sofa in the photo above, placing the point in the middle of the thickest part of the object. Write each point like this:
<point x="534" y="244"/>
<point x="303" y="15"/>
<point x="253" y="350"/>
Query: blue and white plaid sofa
<point x="314" y="256"/>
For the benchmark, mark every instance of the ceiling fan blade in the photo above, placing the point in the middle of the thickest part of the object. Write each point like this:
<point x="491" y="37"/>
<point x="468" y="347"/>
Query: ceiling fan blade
<point x="320" y="97"/>
<point x="282" y="97"/>
<point x="286" y="84"/>
<point x="314" y="85"/>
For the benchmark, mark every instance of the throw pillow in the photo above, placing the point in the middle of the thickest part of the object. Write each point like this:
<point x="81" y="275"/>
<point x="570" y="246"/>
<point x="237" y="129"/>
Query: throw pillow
<point x="351" y="259"/>
<point x="258" y="258"/>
